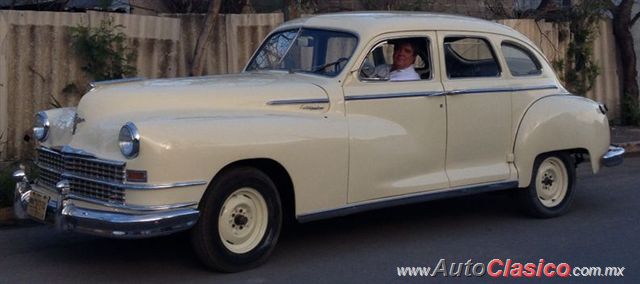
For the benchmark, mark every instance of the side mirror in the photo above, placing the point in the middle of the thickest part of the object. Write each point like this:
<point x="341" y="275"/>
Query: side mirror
<point x="368" y="72"/>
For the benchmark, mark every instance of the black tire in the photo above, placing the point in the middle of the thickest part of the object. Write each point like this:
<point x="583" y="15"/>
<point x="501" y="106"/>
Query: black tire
<point x="206" y="237"/>
<point x="533" y="198"/>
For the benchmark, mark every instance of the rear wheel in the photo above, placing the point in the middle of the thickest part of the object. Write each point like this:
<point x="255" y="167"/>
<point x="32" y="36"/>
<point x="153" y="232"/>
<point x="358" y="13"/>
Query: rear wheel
<point x="551" y="190"/>
<point x="240" y="221"/>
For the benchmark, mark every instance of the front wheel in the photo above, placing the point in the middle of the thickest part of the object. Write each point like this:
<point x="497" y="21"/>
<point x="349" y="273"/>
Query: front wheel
<point x="551" y="190"/>
<point x="240" y="221"/>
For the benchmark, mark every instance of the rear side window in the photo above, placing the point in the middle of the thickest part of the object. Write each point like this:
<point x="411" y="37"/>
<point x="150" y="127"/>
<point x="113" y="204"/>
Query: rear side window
<point x="521" y="62"/>
<point x="469" y="57"/>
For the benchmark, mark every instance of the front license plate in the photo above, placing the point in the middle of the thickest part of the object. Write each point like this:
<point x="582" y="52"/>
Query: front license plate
<point x="38" y="205"/>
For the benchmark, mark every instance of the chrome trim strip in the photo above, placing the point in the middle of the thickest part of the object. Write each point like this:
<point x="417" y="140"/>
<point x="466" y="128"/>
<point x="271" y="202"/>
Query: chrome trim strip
<point x="96" y="84"/>
<point x="48" y="168"/>
<point x="297" y="102"/>
<point x="453" y="92"/>
<point x="130" y="186"/>
<point x="547" y="87"/>
<point x="393" y="96"/>
<point x="405" y="200"/>
<point x="498" y="90"/>
<point x="163" y="186"/>
<point x="68" y="150"/>
<point x="133" y="207"/>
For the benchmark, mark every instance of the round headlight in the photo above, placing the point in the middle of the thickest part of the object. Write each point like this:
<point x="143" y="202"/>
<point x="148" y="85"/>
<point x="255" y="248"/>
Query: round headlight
<point x="41" y="126"/>
<point x="129" y="140"/>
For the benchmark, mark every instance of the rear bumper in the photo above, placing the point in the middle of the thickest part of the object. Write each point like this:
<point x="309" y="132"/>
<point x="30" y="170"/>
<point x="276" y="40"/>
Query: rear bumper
<point x="613" y="157"/>
<point x="70" y="213"/>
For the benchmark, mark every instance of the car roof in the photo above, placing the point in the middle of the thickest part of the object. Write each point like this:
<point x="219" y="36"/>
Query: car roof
<point x="372" y="23"/>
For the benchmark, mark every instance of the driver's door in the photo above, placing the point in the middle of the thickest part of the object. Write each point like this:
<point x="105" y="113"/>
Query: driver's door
<point x="397" y="129"/>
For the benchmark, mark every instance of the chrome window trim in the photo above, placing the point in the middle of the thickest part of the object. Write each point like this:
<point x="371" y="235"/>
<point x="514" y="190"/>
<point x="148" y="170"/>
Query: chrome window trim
<point x="492" y="49"/>
<point x="393" y="96"/>
<point x="301" y="27"/>
<point x="386" y="40"/>
<point x="297" y="102"/>
<point x="527" y="51"/>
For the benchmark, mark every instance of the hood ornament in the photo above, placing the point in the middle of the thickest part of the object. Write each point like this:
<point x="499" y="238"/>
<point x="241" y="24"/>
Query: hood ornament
<point x="76" y="120"/>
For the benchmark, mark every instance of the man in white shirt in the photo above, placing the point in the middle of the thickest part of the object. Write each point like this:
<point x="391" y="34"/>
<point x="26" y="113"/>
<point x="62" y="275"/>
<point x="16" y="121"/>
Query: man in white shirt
<point x="404" y="55"/>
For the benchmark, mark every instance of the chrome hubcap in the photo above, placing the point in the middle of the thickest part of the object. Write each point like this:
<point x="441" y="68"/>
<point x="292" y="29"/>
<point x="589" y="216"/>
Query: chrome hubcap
<point x="552" y="182"/>
<point x="243" y="220"/>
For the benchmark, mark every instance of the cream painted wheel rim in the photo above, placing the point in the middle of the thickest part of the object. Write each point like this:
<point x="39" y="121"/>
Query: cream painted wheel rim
<point x="552" y="182"/>
<point x="243" y="220"/>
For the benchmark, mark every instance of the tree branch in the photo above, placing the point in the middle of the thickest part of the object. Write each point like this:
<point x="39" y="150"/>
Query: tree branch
<point x="544" y="5"/>
<point x="635" y="19"/>
<point x="197" y="64"/>
<point x="611" y="6"/>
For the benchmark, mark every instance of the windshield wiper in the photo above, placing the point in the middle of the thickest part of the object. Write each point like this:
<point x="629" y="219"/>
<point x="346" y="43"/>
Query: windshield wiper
<point x="324" y="66"/>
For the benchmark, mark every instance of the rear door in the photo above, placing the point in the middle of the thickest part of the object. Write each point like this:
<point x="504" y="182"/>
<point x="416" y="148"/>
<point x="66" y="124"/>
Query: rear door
<point x="478" y="109"/>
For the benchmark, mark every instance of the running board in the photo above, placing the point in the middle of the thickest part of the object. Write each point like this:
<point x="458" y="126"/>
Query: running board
<point x="405" y="200"/>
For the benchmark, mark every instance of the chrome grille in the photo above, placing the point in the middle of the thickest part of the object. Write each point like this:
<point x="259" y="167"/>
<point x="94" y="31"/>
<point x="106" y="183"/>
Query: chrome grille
<point x="88" y="177"/>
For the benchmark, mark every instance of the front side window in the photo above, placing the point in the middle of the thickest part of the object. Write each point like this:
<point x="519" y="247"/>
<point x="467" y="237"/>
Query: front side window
<point x="470" y="57"/>
<point x="520" y="61"/>
<point x="401" y="59"/>
<point x="314" y="51"/>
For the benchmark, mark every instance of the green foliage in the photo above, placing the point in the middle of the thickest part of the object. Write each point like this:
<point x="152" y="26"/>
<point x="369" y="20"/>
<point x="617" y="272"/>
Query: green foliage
<point x="7" y="186"/>
<point x="582" y="71"/>
<point x="105" y="4"/>
<point x="630" y="111"/>
<point x="104" y="51"/>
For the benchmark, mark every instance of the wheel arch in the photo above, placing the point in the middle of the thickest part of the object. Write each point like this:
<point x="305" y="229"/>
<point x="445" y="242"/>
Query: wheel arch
<point x="560" y="123"/>
<point x="277" y="173"/>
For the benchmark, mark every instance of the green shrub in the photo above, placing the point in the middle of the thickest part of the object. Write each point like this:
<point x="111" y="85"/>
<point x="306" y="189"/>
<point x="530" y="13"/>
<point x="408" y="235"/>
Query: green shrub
<point x="104" y="51"/>
<point x="630" y="111"/>
<point x="7" y="186"/>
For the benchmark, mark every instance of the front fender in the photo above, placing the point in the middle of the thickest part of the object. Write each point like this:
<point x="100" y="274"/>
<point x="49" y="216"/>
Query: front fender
<point x="312" y="148"/>
<point x="561" y="122"/>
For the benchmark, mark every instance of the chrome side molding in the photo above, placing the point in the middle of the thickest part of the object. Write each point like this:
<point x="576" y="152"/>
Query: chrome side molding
<point x="405" y="200"/>
<point x="297" y="102"/>
<point x="447" y="93"/>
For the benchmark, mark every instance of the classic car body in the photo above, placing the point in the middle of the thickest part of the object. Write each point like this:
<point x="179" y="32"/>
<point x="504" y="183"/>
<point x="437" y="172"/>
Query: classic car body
<point x="323" y="143"/>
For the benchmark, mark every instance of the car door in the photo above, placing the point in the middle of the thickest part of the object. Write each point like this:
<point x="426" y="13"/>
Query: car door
<point x="478" y="109"/>
<point x="397" y="128"/>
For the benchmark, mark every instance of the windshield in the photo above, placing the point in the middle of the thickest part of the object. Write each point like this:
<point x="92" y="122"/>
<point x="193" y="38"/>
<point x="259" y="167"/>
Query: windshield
<point x="305" y="50"/>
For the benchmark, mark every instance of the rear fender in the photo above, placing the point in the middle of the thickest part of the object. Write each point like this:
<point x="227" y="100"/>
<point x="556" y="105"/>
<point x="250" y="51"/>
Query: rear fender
<point x="558" y="123"/>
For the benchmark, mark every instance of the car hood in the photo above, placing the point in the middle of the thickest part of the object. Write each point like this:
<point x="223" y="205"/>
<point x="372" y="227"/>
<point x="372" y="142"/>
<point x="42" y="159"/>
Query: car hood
<point x="108" y="107"/>
<point x="191" y="96"/>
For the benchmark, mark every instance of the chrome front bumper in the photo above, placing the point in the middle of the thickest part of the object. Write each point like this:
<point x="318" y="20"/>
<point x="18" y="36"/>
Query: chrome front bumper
<point x="65" y="212"/>
<point x="613" y="157"/>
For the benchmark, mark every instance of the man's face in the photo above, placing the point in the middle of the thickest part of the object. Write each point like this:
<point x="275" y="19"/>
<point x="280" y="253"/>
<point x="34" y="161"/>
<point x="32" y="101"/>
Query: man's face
<point x="403" y="56"/>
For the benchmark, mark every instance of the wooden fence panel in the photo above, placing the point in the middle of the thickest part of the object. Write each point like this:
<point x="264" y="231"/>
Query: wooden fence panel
<point x="37" y="61"/>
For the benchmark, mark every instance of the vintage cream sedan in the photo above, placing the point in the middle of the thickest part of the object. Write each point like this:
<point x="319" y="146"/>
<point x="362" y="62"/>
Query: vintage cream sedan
<point x="311" y="130"/>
